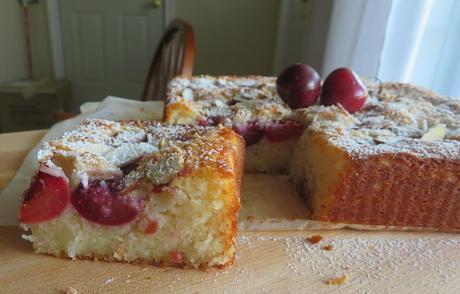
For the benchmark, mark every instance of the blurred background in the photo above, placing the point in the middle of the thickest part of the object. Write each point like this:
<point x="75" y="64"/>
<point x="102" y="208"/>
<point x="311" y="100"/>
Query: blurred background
<point x="57" y="54"/>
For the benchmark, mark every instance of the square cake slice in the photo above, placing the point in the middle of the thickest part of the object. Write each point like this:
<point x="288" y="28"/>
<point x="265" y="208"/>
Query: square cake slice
<point x="396" y="162"/>
<point x="250" y="105"/>
<point x="137" y="191"/>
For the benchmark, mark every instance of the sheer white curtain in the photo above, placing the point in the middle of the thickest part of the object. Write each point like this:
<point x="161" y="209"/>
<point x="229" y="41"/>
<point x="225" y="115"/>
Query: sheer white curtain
<point x="412" y="41"/>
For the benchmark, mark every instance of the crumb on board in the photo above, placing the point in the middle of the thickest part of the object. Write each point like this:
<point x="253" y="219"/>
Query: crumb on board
<point x="337" y="281"/>
<point x="250" y="218"/>
<point x="328" y="247"/>
<point x="315" y="239"/>
<point x="70" y="290"/>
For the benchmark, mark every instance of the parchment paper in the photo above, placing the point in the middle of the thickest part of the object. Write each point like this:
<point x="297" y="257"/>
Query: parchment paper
<point x="112" y="108"/>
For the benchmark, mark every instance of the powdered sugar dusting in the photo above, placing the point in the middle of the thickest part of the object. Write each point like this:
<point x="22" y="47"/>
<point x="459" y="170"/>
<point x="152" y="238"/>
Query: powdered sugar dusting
<point x="230" y="99"/>
<point x="369" y="263"/>
<point x="393" y="120"/>
<point x="104" y="147"/>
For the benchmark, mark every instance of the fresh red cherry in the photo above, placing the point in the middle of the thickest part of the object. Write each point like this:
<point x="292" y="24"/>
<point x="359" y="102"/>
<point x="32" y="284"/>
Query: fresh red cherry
<point x="284" y="130"/>
<point x="102" y="203"/>
<point x="45" y="199"/>
<point x="344" y="87"/>
<point x="252" y="132"/>
<point x="299" y="85"/>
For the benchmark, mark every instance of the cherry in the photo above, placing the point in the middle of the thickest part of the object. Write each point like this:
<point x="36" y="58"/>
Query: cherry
<point x="344" y="87"/>
<point x="252" y="132"/>
<point x="45" y="199"/>
<point x="299" y="85"/>
<point x="176" y="257"/>
<point x="151" y="228"/>
<point x="102" y="203"/>
<point x="284" y="130"/>
<point x="203" y="122"/>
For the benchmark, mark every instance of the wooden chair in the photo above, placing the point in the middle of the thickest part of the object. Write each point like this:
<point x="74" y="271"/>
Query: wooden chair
<point x="175" y="55"/>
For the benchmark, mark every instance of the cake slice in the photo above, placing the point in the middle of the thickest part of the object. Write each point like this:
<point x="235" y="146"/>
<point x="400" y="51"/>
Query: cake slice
<point x="250" y="105"/>
<point x="396" y="162"/>
<point x="137" y="191"/>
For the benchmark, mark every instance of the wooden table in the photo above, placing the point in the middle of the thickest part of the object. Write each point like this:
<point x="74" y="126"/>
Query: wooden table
<point x="273" y="262"/>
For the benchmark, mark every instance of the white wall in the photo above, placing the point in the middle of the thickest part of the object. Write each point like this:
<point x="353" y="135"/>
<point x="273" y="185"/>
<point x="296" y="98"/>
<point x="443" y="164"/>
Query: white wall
<point x="232" y="37"/>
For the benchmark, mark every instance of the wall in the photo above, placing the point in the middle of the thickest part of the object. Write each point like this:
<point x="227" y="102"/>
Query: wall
<point x="302" y="33"/>
<point x="12" y="51"/>
<point x="12" y="48"/>
<point x="40" y="38"/>
<point x="232" y="37"/>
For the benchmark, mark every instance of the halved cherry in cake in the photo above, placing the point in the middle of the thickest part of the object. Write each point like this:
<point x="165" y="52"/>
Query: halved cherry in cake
<point x="176" y="257"/>
<point x="252" y="132"/>
<point x="203" y="122"/>
<point x="344" y="87"/>
<point x="101" y="202"/>
<point x="284" y="130"/>
<point x="45" y="199"/>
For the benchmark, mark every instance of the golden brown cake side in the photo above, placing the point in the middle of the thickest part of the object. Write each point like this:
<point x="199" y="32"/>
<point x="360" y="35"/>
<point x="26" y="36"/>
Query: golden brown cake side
<point x="391" y="189"/>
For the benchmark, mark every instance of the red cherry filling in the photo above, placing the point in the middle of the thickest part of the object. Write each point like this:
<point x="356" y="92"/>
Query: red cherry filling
<point x="284" y="130"/>
<point x="203" y="122"/>
<point x="252" y="132"/>
<point x="176" y="257"/>
<point x="45" y="199"/>
<point x="151" y="228"/>
<point x="102" y="203"/>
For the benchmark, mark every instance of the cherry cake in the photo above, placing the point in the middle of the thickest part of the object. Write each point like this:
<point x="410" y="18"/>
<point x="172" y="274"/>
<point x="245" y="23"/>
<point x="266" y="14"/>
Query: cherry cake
<point x="137" y="191"/>
<point x="392" y="159"/>
<point x="250" y="105"/>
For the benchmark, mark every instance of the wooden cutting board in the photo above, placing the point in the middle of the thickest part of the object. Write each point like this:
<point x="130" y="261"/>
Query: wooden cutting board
<point x="281" y="261"/>
<point x="374" y="262"/>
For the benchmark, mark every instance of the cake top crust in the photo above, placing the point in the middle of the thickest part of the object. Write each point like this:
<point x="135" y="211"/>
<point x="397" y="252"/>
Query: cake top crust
<point x="396" y="117"/>
<point x="231" y="99"/>
<point x="102" y="149"/>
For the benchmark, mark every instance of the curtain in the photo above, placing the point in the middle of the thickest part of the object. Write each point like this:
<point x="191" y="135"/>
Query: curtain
<point x="414" y="41"/>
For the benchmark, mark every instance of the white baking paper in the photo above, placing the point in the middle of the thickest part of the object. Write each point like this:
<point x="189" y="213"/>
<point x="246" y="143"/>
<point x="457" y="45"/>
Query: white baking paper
<point x="112" y="108"/>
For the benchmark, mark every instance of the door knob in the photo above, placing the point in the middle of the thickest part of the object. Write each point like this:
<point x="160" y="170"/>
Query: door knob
<point x="155" y="3"/>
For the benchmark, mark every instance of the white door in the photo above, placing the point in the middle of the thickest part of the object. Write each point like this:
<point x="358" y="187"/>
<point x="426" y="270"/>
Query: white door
<point x="108" y="46"/>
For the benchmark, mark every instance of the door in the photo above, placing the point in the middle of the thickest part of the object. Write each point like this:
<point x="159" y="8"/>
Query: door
<point x="108" y="46"/>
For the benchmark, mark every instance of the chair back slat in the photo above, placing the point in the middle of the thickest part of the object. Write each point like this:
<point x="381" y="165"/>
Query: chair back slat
<point x="175" y="55"/>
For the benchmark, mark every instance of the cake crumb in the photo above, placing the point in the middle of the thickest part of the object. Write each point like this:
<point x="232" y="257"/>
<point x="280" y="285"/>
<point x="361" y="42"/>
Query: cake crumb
<point x="250" y="218"/>
<point x="315" y="239"/>
<point x="328" y="247"/>
<point x="70" y="290"/>
<point x="337" y="281"/>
